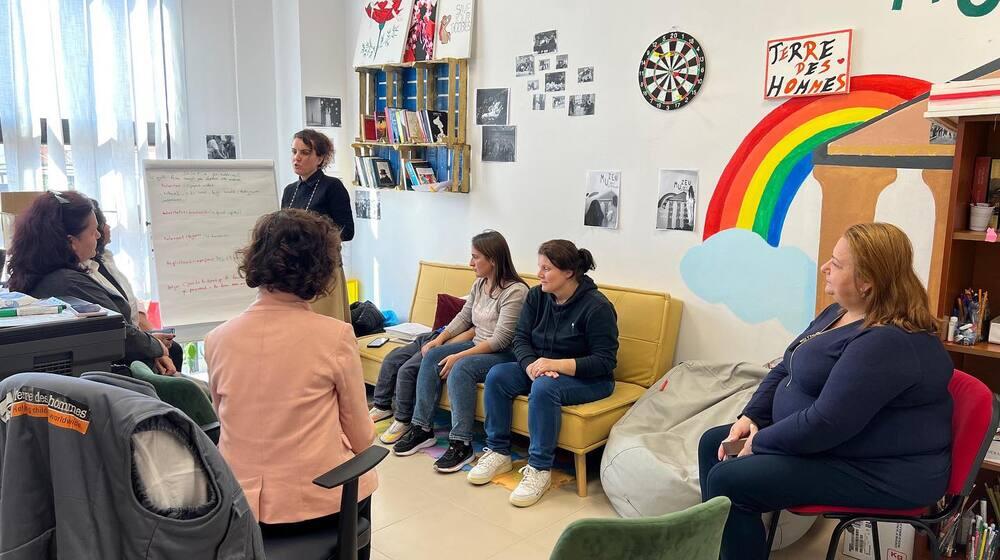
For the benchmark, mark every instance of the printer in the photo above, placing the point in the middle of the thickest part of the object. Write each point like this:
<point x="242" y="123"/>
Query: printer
<point x="68" y="347"/>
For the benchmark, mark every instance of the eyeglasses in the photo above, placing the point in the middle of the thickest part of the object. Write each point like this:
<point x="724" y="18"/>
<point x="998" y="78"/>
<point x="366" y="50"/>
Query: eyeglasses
<point x="61" y="199"/>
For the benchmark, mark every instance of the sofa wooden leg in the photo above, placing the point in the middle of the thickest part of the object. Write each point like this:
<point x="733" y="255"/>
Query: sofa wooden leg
<point x="581" y="475"/>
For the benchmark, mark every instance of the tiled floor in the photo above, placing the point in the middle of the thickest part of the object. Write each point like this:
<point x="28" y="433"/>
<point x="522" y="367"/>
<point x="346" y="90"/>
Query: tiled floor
<point x="419" y="514"/>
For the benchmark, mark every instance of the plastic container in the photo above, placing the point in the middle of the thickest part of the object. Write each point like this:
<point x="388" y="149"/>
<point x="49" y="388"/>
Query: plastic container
<point x="979" y="216"/>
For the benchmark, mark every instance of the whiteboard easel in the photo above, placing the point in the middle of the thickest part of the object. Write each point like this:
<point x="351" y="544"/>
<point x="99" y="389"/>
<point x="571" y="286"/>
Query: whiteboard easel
<point x="201" y="212"/>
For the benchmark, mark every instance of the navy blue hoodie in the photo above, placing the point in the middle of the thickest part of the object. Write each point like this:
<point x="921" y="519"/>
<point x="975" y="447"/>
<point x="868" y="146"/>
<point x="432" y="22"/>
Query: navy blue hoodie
<point x="585" y="328"/>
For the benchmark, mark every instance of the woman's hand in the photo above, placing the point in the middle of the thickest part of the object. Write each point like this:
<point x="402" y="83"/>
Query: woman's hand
<point x="447" y="363"/>
<point x="543" y="366"/>
<point x="743" y="428"/>
<point x="165" y="366"/>
<point x="165" y="339"/>
<point x="434" y="343"/>
<point x="748" y="446"/>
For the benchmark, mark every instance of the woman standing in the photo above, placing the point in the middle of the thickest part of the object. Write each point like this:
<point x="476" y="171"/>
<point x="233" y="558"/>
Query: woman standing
<point x="312" y="151"/>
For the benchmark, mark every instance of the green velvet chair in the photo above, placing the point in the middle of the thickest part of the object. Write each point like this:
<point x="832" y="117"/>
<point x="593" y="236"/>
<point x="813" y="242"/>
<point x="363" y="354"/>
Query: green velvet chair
<point x="183" y="394"/>
<point x="692" y="534"/>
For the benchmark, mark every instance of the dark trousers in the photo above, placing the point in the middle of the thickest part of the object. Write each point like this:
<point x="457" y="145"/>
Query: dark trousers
<point x="759" y="484"/>
<point x="329" y="522"/>
<point x="397" y="379"/>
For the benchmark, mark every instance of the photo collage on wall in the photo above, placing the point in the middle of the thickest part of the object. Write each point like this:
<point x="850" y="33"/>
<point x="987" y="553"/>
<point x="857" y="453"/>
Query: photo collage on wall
<point x="549" y="76"/>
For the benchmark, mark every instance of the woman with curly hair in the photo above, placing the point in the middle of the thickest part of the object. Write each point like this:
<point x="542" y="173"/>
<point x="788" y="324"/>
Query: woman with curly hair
<point x="286" y="382"/>
<point x="56" y="236"/>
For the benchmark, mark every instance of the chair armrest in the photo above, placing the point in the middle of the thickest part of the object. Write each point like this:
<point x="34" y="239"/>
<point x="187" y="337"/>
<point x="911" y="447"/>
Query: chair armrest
<point x="353" y="469"/>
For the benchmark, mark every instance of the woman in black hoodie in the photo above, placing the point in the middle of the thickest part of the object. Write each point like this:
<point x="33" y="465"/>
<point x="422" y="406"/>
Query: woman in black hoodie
<point x="566" y="345"/>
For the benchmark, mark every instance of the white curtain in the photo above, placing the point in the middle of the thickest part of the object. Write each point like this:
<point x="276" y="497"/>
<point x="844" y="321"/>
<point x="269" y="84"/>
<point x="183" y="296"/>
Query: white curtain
<point x="104" y="69"/>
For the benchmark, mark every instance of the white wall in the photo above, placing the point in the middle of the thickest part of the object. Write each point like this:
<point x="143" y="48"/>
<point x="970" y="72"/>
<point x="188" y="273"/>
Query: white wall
<point x="249" y="62"/>
<point x="540" y="196"/>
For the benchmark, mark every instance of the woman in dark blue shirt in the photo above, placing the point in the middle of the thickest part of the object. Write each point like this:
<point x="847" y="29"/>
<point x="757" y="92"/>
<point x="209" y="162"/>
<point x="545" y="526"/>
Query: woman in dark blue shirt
<point x="857" y="413"/>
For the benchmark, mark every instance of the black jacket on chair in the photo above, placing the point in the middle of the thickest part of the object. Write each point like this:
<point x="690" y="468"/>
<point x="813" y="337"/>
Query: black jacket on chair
<point x="139" y="345"/>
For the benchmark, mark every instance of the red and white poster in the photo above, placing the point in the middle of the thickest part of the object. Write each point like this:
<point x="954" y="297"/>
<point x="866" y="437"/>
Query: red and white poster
<point x="808" y="65"/>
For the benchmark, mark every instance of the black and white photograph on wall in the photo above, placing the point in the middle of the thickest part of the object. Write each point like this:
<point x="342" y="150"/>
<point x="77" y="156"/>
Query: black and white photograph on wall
<point x="545" y="42"/>
<point x="367" y="204"/>
<point x="500" y="143"/>
<point x="220" y="146"/>
<point x="562" y="61"/>
<point x="544" y="64"/>
<point x="581" y="105"/>
<point x="555" y="81"/>
<point x="525" y="65"/>
<point x="538" y="102"/>
<point x="585" y="74"/>
<point x="602" y="199"/>
<point x="678" y="199"/>
<point x="492" y="106"/>
<point x="558" y="101"/>
<point x="322" y="111"/>
<point x="532" y="85"/>
<point x="941" y="135"/>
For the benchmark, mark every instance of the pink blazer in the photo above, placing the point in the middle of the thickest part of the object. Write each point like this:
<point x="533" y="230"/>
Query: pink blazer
<point x="288" y="389"/>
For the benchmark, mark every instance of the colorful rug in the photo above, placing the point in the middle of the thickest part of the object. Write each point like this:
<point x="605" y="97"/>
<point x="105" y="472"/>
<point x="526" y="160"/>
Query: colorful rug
<point x="562" y="473"/>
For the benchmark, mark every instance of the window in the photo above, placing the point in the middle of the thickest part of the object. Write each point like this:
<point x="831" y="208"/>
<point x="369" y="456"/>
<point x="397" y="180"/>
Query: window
<point x="87" y="103"/>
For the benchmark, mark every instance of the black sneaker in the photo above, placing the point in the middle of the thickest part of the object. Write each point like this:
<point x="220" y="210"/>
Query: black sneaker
<point x="414" y="440"/>
<point x="458" y="455"/>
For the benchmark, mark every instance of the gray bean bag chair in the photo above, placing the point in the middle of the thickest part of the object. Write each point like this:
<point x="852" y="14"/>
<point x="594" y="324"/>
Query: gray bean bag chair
<point x="650" y="463"/>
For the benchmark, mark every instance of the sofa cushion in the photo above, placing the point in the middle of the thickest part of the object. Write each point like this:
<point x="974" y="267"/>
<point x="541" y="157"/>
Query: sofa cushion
<point x="447" y="307"/>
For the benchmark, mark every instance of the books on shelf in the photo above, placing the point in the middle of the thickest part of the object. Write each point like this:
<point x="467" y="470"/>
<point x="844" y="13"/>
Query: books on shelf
<point x="371" y="132"/>
<point x="373" y="172"/>
<point x="951" y="100"/>
<point x="418" y="172"/>
<point x="402" y="126"/>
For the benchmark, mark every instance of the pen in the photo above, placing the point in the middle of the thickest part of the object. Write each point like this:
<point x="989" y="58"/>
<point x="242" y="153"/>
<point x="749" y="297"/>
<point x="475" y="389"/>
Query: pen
<point x="25" y="311"/>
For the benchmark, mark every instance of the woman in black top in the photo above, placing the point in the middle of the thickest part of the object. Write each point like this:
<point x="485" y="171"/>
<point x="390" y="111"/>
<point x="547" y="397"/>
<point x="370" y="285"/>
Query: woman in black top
<point x="312" y="151"/>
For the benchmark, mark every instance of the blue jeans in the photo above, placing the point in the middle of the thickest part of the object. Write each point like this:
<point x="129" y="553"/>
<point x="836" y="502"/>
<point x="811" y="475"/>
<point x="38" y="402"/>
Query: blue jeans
<point x="462" y="380"/>
<point x="397" y="379"/>
<point x="546" y="396"/>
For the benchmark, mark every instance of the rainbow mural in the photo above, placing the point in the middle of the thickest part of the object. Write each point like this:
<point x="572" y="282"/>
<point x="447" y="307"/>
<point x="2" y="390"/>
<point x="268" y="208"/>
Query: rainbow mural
<point x="762" y="178"/>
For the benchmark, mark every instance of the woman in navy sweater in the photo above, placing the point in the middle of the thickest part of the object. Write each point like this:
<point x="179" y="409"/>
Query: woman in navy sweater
<point x="857" y="413"/>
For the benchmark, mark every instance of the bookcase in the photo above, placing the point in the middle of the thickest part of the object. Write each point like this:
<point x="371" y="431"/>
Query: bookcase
<point x="969" y="260"/>
<point x="440" y="85"/>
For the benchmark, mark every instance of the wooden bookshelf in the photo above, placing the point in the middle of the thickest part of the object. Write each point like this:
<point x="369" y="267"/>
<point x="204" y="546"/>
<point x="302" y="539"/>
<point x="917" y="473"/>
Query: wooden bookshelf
<point x="968" y="235"/>
<point x="428" y="96"/>
<point x="969" y="261"/>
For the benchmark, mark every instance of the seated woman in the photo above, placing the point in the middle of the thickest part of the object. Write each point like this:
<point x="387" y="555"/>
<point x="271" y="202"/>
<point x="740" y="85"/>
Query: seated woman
<point x="286" y="382"/>
<point x="56" y="235"/>
<point x="477" y="339"/>
<point x="566" y="345"/>
<point x="858" y="412"/>
<point x="103" y="269"/>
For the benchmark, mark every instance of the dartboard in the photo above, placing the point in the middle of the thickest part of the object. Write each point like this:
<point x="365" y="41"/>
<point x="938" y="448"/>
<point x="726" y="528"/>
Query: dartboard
<point x="672" y="71"/>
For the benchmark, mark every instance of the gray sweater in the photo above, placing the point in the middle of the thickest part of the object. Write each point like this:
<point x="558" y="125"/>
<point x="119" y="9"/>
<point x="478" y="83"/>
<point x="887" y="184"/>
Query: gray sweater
<point x="493" y="317"/>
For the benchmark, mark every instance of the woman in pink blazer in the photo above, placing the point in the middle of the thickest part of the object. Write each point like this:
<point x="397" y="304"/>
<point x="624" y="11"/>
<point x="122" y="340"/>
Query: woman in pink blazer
<point x="287" y="382"/>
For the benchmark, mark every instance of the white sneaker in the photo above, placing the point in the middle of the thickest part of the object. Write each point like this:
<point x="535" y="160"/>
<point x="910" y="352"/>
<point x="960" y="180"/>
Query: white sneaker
<point x="532" y="486"/>
<point x="489" y="465"/>
<point x="396" y="430"/>
<point x="377" y="414"/>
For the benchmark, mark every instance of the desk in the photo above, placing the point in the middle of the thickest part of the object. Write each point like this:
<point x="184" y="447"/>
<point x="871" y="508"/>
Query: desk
<point x="68" y="347"/>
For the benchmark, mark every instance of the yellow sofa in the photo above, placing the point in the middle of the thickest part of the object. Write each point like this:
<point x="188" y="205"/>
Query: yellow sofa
<point x="647" y="324"/>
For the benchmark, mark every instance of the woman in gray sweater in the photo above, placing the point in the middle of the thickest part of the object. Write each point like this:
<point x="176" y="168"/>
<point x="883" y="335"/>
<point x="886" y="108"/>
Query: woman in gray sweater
<point x="478" y="338"/>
